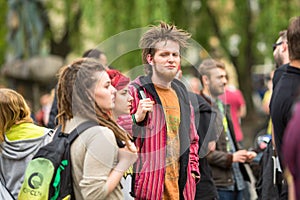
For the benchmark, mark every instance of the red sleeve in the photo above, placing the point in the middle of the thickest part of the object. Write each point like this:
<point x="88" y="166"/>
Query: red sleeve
<point x="125" y="121"/>
<point x="194" y="138"/>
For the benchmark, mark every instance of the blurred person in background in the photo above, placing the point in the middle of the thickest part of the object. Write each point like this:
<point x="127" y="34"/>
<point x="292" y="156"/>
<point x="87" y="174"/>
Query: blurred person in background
<point x="281" y="56"/>
<point x="227" y="160"/>
<point x="235" y="99"/>
<point x="194" y="84"/>
<point x="209" y="127"/>
<point x="96" y="54"/>
<point x="42" y="115"/>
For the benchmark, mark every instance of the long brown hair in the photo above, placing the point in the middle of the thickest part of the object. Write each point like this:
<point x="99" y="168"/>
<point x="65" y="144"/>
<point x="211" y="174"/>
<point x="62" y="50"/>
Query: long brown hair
<point x="75" y="96"/>
<point x="13" y="110"/>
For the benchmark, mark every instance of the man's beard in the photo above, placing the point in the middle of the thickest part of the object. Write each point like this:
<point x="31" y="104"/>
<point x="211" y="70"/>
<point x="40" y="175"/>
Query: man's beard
<point x="215" y="92"/>
<point x="165" y="75"/>
<point x="278" y="60"/>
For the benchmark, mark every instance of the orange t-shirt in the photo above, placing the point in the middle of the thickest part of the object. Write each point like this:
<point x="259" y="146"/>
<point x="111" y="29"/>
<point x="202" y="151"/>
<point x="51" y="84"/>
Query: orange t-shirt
<point x="171" y="109"/>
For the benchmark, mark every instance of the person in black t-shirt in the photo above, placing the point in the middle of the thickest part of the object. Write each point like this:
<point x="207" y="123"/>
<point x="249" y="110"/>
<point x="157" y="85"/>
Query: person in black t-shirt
<point x="286" y="90"/>
<point x="281" y="56"/>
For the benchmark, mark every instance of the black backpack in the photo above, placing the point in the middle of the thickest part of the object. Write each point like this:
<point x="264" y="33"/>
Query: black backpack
<point x="48" y="174"/>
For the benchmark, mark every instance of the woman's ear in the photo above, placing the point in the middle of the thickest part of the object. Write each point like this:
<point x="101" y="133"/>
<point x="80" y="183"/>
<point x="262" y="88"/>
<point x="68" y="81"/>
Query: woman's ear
<point x="149" y="59"/>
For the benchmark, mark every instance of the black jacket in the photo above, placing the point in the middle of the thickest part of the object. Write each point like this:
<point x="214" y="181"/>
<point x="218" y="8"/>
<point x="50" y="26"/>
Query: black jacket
<point x="220" y="160"/>
<point x="205" y="119"/>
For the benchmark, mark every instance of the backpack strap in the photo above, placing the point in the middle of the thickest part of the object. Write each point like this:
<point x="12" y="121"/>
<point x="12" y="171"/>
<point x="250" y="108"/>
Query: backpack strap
<point x="79" y="129"/>
<point x="143" y="131"/>
<point x="139" y="88"/>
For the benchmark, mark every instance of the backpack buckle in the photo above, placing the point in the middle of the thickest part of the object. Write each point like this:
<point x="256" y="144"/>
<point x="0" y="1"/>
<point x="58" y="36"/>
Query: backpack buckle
<point x="61" y="134"/>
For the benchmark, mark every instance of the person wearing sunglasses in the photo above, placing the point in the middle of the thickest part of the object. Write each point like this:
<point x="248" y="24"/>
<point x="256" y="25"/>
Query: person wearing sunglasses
<point x="281" y="56"/>
<point x="285" y="92"/>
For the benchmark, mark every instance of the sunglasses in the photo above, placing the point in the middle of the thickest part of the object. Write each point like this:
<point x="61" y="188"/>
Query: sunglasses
<point x="276" y="44"/>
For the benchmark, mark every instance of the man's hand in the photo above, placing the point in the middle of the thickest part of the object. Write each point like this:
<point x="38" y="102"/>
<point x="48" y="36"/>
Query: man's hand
<point x="251" y="156"/>
<point x="144" y="106"/>
<point x="240" y="156"/>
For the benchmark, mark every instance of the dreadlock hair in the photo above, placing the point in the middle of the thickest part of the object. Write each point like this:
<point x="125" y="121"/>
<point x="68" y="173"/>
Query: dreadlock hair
<point x="162" y="32"/>
<point x="75" y="96"/>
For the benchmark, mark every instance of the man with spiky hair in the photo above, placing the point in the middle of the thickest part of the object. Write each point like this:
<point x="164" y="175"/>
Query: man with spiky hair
<point x="162" y="117"/>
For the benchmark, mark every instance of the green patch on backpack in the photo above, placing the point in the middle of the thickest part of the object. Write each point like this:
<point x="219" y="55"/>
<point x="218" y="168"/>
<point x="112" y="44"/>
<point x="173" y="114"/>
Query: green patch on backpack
<point x="38" y="177"/>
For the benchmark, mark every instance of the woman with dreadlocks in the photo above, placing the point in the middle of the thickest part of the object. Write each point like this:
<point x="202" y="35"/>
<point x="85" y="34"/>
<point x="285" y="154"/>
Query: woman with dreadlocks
<point x="98" y="164"/>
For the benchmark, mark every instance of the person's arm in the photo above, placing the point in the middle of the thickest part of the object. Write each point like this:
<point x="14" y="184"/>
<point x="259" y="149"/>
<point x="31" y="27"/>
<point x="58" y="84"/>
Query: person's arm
<point x="145" y="105"/>
<point x="242" y="109"/>
<point x="126" y="159"/>
<point x="220" y="159"/>
<point x="224" y="160"/>
<point x="266" y="102"/>
<point x="100" y="177"/>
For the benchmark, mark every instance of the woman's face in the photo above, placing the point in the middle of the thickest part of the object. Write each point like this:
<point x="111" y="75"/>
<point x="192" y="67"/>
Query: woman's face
<point x="123" y="102"/>
<point x="105" y="92"/>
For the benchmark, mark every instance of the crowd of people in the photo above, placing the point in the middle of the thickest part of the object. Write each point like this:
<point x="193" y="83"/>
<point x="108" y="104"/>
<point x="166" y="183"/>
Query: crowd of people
<point x="155" y="139"/>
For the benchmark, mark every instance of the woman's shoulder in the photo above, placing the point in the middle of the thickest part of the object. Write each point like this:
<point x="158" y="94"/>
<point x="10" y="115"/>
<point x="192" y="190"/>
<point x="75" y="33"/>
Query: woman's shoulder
<point x="101" y="129"/>
<point x="96" y="132"/>
<point x="99" y="133"/>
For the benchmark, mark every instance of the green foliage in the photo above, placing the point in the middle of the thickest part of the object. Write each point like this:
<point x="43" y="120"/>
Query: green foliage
<point x="3" y="31"/>
<point x="85" y="23"/>
<point x="120" y="16"/>
<point x="89" y="12"/>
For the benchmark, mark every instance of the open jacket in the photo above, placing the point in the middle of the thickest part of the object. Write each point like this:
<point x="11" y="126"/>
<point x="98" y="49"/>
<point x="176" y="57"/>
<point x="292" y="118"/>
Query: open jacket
<point x="221" y="161"/>
<point x="150" y="166"/>
<point x="208" y="125"/>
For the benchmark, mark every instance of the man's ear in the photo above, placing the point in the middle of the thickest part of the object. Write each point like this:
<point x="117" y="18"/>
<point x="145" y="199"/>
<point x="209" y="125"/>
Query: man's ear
<point x="205" y="80"/>
<point x="149" y="59"/>
<point x="284" y="46"/>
